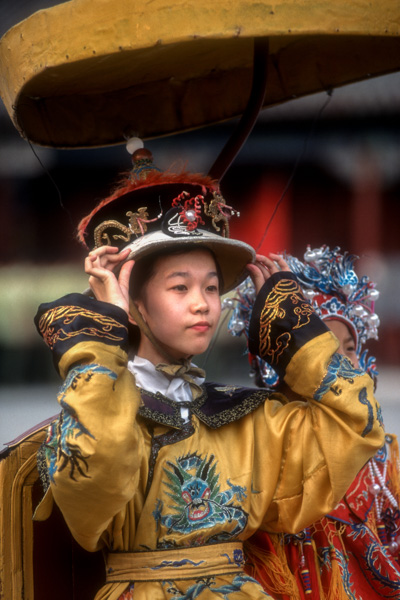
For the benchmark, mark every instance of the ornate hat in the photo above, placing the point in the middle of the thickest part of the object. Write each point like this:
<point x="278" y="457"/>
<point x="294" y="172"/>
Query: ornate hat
<point x="330" y="283"/>
<point x="152" y="210"/>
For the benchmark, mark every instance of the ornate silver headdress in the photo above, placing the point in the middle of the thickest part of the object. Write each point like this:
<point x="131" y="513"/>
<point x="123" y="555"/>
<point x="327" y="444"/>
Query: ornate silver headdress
<point x="330" y="283"/>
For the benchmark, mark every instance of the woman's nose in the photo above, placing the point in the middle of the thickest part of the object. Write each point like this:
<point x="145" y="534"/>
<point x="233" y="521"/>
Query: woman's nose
<point x="199" y="303"/>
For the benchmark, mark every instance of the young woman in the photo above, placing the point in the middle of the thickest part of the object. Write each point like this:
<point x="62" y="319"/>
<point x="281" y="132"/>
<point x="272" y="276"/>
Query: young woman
<point x="354" y="551"/>
<point x="167" y="473"/>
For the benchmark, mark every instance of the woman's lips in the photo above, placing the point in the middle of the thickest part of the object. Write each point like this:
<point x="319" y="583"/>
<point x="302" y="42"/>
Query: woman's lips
<point x="201" y="326"/>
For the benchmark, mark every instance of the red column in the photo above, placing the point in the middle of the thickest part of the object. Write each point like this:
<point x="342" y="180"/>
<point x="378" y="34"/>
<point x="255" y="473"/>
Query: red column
<point x="366" y="206"/>
<point x="256" y="212"/>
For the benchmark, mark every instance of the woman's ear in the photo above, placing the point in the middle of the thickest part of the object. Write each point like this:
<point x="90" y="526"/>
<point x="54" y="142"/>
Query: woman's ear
<point x="134" y="309"/>
<point x="132" y="320"/>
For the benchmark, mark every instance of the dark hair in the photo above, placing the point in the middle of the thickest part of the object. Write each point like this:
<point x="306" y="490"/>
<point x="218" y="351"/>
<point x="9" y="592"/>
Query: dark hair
<point x="144" y="268"/>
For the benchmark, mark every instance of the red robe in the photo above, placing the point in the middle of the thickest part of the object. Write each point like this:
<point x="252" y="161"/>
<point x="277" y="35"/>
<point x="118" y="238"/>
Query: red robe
<point x="353" y="553"/>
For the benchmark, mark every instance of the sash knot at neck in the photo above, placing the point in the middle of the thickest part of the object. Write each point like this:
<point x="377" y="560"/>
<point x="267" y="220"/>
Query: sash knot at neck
<point x="186" y="371"/>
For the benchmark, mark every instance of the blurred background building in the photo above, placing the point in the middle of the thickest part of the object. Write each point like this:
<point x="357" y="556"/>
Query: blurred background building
<point x="332" y="163"/>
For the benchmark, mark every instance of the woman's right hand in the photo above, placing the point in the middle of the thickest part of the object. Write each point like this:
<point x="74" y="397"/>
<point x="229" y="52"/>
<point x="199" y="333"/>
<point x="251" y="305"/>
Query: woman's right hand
<point x="106" y="286"/>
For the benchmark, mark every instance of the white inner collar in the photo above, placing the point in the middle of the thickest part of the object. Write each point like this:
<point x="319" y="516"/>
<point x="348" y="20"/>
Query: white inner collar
<point x="153" y="381"/>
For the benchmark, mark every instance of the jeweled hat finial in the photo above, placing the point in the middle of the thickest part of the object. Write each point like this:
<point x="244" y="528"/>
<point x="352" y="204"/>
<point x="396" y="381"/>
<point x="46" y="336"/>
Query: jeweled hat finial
<point x="142" y="159"/>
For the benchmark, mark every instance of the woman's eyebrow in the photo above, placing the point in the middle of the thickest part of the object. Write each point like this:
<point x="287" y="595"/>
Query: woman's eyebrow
<point x="187" y="274"/>
<point x="177" y="274"/>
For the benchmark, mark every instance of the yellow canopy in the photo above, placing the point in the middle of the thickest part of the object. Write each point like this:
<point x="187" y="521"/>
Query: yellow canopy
<point x="91" y="73"/>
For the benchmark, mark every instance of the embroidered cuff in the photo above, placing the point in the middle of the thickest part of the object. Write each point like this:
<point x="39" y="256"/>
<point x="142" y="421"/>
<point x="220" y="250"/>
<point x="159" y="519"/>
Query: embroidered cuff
<point x="77" y="318"/>
<point x="282" y="321"/>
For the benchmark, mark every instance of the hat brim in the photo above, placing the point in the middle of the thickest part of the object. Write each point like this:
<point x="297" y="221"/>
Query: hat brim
<point x="232" y="255"/>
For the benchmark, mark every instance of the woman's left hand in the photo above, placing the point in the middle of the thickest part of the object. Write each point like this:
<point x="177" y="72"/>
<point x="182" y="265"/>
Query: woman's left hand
<point x="264" y="267"/>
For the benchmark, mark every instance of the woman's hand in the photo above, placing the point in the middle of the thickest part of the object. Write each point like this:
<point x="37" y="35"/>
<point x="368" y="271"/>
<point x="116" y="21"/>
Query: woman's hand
<point x="264" y="267"/>
<point x="106" y="286"/>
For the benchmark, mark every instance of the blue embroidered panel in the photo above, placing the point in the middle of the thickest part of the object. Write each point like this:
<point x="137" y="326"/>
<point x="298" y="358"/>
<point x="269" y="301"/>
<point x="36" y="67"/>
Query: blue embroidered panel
<point x="338" y="367"/>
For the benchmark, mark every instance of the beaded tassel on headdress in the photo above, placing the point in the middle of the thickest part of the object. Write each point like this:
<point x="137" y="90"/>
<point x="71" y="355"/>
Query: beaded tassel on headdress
<point x="241" y="304"/>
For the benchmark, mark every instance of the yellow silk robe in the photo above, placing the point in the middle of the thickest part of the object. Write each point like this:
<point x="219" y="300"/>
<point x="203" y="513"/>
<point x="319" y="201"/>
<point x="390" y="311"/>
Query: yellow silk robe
<point x="129" y="476"/>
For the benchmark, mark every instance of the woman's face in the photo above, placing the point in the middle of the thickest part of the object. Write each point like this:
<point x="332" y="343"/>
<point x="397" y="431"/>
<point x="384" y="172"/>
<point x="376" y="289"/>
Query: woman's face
<point x="181" y="305"/>
<point x="347" y="345"/>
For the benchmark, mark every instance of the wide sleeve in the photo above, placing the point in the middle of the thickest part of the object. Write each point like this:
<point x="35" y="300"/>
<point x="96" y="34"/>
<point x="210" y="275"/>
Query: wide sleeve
<point x="316" y="447"/>
<point x="93" y="452"/>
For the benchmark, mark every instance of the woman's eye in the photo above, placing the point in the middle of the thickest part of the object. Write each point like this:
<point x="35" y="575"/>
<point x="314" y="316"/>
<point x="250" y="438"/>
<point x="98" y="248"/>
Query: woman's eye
<point x="180" y="288"/>
<point x="212" y="288"/>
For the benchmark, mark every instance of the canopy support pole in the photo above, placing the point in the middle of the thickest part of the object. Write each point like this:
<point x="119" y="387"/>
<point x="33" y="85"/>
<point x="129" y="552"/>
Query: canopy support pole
<point x="249" y="117"/>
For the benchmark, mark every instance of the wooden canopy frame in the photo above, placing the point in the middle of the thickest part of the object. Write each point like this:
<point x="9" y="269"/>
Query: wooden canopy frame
<point x="85" y="74"/>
